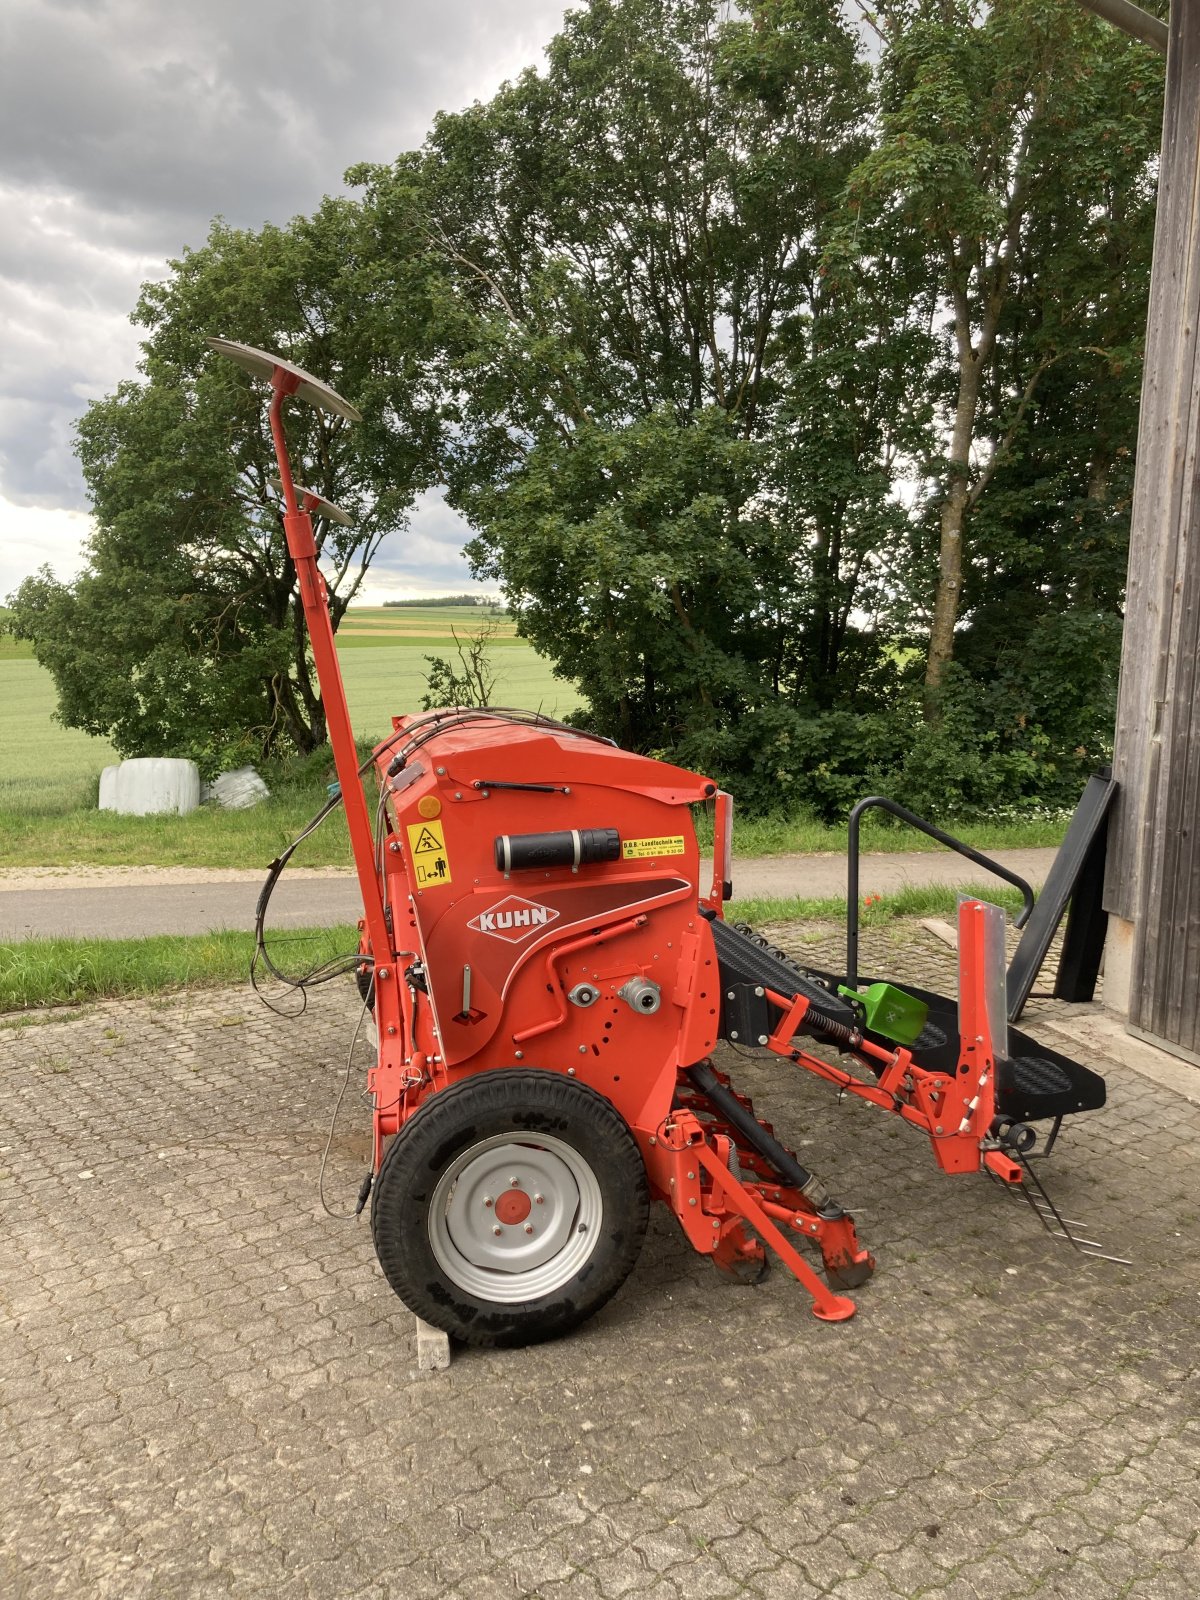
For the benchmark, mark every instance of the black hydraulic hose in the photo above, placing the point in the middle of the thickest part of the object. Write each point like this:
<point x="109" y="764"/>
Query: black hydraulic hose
<point x="791" y="1173"/>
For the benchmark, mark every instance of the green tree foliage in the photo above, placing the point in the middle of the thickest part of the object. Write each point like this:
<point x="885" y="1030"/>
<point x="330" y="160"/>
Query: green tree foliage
<point x="184" y="634"/>
<point x="765" y="373"/>
<point x="1019" y="138"/>
<point x="670" y="433"/>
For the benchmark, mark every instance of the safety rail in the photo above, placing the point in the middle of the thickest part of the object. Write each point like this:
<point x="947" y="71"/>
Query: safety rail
<point x="881" y="803"/>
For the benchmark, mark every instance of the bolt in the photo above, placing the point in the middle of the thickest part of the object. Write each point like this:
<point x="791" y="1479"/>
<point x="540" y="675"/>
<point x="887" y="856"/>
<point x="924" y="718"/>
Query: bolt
<point x="539" y="1200"/>
<point x="582" y="1228"/>
<point x="759" y="991"/>
<point x="394" y="848"/>
<point x="652" y="1140"/>
<point x="520" y="1055"/>
<point x="385" y="972"/>
<point x="487" y="1200"/>
<point x="570" y="1072"/>
<point x="691" y="1174"/>
<point x="938" y="1129"/>
<point x="458" y="794"/>
<point x="496" y="1230"/>
<point x="514" y="1183"/>
<point x="716" y="1224"/>
<point x="528" y="1227"/>
<point x="441" y="772"/>
<point x="391" y="1027"/>
<point x="583" y="1049"/>
<point x="691" y="1202"/>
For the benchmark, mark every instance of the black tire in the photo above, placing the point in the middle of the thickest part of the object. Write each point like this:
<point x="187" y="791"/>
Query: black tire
<point x="432" y="1201"/>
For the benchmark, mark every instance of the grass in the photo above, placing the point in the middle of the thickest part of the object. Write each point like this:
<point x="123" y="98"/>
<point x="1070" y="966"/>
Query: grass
<point x="65" y="972"/>
<point x="780" y="834"/>
<point x="915" y="900"/>
<point x="57" y="972"/>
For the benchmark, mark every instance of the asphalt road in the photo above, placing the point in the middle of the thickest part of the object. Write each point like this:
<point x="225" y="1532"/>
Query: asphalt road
<point x="123" y="904"/>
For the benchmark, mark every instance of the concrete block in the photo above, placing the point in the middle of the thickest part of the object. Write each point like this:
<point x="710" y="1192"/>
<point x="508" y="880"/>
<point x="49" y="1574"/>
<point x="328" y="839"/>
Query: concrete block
<point x="1118" y="964"/>
<point x="433" y="1347"/>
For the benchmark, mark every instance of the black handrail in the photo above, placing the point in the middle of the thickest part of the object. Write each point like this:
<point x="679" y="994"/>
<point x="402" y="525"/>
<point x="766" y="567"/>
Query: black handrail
<point x="914" y="821"/>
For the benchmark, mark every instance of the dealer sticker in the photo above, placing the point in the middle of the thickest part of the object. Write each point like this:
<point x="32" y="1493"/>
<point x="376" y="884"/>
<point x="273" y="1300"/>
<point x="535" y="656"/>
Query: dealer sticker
<point x="431" y="861"/>
<point x="639" y="849"/>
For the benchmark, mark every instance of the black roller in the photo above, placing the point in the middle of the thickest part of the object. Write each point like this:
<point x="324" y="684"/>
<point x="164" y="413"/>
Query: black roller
<point x="743" y="959"/>
<point x="570" y="847"/>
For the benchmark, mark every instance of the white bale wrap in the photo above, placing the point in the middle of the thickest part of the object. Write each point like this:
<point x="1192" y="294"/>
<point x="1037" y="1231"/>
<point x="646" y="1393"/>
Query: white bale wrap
<point x="108" y="788"/>
<point x="148" y="785"/>
<point x="237" y="790"/>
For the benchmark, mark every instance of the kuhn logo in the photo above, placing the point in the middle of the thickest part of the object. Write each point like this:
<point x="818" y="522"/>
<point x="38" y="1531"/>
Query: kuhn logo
<point x="513" y="919"/>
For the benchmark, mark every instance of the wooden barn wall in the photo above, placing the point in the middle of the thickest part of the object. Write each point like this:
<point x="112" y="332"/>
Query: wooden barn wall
<point x="1154" y="846"/>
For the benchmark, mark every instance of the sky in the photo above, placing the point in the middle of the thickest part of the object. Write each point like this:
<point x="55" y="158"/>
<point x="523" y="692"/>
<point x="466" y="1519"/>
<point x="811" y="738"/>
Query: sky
<point x="126" y="126"/>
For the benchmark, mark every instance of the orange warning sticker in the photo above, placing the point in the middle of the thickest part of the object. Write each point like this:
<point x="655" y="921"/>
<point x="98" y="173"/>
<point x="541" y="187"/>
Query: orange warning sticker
<point x="431" y="860"/>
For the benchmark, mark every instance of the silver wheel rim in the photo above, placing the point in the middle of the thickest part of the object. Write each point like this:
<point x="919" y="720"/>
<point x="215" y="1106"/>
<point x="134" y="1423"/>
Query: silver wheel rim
<point x="515" y="1220"/>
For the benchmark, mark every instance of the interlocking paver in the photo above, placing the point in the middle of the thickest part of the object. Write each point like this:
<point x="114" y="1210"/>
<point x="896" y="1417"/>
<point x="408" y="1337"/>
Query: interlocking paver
<point x="207" y="1388"/>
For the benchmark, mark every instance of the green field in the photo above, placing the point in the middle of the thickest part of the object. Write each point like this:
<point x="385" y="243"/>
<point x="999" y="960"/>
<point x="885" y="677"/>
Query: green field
<point x="48" y="773"/>
<point x="383" y="663"/>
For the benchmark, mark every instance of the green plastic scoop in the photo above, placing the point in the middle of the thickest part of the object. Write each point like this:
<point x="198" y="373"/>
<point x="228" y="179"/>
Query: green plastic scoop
<point x="890" y="1012"/>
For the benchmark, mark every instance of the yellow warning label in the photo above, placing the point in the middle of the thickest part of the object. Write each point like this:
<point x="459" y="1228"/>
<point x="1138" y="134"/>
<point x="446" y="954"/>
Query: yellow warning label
<point x="638" y="849"/>
<point x="431" y="861"/>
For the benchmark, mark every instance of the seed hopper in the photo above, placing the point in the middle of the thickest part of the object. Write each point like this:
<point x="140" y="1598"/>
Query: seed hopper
<point x="549" y="976"/>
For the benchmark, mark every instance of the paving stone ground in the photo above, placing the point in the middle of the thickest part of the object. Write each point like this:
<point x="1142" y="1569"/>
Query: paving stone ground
<point x="209" y="1390"/>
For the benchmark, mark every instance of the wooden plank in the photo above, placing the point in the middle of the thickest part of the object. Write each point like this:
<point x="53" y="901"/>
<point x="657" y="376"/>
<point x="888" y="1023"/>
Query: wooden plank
<point x="1154" y="874"/>
<point x="1158" y="488"/>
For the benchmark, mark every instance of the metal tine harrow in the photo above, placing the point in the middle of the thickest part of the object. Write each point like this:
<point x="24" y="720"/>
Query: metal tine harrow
<point x="1061" y="1229"/>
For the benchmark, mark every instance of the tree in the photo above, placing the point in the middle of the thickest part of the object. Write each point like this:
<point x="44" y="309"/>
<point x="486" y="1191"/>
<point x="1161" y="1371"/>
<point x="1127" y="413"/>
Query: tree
<point x="1018" y="138"/>
<point x="473" y="681"/>
<point x="184" y="635"/>
<point x="670" y="432"/>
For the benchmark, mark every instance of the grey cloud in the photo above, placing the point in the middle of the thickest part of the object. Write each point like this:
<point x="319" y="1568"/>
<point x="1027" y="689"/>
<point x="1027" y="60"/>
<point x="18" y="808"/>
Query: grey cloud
<point x="252" y="111"/>
<point x="430" y="548"/>
<point x="127" y="125"/>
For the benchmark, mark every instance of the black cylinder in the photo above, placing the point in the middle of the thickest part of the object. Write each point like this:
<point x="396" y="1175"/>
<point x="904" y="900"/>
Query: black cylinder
<point x="571" y="847"/>
<point x="729" y="1107"/>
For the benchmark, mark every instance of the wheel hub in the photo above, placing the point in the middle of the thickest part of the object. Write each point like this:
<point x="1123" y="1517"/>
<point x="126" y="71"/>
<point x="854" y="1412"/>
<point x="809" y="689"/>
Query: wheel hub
<point x="513" y="1206"/>
<point x="512" y="1221"/>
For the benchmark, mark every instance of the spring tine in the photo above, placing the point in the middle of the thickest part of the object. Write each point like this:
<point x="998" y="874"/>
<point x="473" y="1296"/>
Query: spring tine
<point x="1018" y="1192"/>
<point x="1071" y="1222"/>
<point x="1058" y="1227"/>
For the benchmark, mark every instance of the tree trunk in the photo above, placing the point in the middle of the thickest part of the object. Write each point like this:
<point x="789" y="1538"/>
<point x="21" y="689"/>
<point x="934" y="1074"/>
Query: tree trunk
<point x="948" y="594"/>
